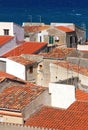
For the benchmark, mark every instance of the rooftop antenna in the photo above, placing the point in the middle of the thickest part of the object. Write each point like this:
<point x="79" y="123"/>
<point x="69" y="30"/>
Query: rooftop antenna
<point x="84" y="28"/>
<point x="30" y="18"/>
<point x="40" y="19"/>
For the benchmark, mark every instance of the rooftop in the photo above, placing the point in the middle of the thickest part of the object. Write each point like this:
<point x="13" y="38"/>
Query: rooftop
<point x="73" y="67"/>
<point x="6" y="75"/>
<point x="26" y="48"/>
<point x="18" y="96"/>
<point x="64" y="28"/>
<point x="74" y="118"/>
<point x="35" y="28"/>
<point x="58" y="52"/>
<point x="81" y="95"/>
<point x="21" y="60"/>
<point x="5" y="39"/>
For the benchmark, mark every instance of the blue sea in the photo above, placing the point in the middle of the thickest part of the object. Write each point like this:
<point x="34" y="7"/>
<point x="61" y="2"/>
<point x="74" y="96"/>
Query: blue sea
<point x="47" y="11"/>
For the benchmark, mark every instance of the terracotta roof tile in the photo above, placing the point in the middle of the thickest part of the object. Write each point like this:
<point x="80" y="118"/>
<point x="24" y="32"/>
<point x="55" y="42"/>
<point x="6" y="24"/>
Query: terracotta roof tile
<point x="58" y="52"/>
<point x="5" y="39"/>
<point x="73" y="118"/>
<point x="17" y="97"/>
<point x="81" y="95"/>
<point x="21" y="60"/>
<point x="30" y="29"/>
<point x="26" y="48"/>
<point x="73" y="67"/>
<point x="65" y="29"/>
<point x="6" y="75"/>
<point x="79" y="106"/>
<point x="46" y="117"/>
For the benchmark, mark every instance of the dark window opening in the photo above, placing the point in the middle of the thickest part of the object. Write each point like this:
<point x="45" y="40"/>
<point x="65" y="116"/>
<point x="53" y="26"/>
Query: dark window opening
<point x="71" y="41"/>
<point x="40" y="39"/>
<point x="40" y="67"/>
<point x="6" y="31"/>
<point x="31" y="69"/>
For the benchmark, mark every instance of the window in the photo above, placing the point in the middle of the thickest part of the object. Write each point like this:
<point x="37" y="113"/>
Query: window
<point x="6" y="31"/>
<point x="40" y="39"/>
<point x="50" y="39"/>
<point x="31" y="69"/>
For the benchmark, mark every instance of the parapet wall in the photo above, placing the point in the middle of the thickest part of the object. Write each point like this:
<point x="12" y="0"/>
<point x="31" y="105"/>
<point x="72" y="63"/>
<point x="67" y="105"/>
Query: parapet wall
<point x="19" y="127"/>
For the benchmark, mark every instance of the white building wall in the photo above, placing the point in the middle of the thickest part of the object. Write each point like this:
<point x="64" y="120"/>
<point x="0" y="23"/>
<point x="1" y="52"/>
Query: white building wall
<point x="82" y="47"/>
<point x="42" y="33"/>
<point x="15" y="69"/>
<point x="6" y="25"/>
<point x="14" y="30"/>
<point x="62" y="95"/>
<point x="7" y="46"/>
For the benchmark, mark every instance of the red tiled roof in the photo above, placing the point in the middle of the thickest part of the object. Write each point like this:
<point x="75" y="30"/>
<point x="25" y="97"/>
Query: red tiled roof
<point x="21" y="60"/>
<point x="46" y="117"/>
<point x="73" y="67"/>
<point x="81" y="95"/>
<point x="26" y="48"/>
<point x="17" y="97"/>
<point x="35" y="28"/>
<point x="65" y="29"/>
<point x="74" y="118"/>
<point x="6" y="75"/>
<point x="58" y="52"/>
<point x="4" y="39"/>
<point x="79" y="106"/>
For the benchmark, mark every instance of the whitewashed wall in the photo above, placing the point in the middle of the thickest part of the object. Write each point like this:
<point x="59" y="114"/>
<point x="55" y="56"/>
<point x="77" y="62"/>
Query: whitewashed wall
<point x="62" y="95"/>
<point x="82" y="47"/>
<point x="14" y="30"/>
<point x="15" y="69"/>
<point x="42" y="33"/>
<point x="6" y="25"/>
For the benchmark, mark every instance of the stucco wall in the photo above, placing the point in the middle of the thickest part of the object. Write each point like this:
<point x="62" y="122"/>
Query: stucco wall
<point x="18" y="32"/>
<point x="6" y="25"/>
<point x="31" y="76"/>
<point x="14" y="30"/>
<point x="62" y="95"/>
<point x="11" y="117"/>
<point x="58" y="73"/>
<point x="82" y="47"/>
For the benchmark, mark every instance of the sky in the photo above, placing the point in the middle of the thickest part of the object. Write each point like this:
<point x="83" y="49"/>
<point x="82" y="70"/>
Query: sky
<point x="45" y="3"/>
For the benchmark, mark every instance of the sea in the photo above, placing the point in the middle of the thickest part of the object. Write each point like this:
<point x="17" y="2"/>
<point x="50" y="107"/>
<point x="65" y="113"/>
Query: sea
<point x="47" y="11"/>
